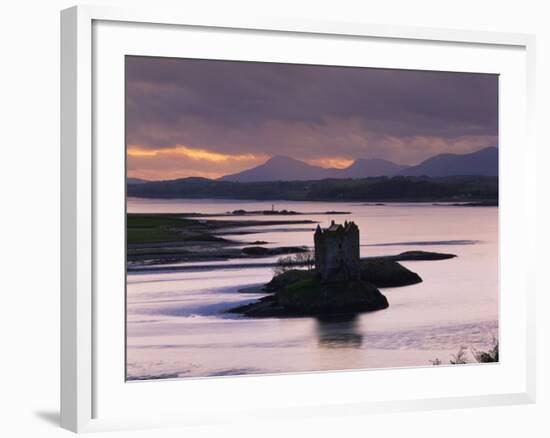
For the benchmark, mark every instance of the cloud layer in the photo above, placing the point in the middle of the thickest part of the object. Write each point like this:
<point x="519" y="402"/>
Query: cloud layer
<point x="209" y="118"/>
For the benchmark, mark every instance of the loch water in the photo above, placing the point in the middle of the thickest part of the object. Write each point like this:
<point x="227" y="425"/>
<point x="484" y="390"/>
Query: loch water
<point x="177" y="328"/>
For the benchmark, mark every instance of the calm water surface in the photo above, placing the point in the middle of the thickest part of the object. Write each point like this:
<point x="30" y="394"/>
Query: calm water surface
<point x="176" y="326"/>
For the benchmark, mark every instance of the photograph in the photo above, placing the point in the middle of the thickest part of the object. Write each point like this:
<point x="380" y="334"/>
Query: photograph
<point x="295" y="218"/>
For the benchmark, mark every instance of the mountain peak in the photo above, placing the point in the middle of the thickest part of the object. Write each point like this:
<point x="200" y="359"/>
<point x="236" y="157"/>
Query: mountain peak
<point x="284" y="168"/>
<point x="482" y="162"/>
<point x="282" y="159"/>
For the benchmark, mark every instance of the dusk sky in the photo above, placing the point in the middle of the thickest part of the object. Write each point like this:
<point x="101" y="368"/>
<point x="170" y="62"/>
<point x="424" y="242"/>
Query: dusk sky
<point x="211" y="118"/>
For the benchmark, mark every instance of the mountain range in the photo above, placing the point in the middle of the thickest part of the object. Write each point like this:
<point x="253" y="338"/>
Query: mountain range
<point x="280" y="168"/>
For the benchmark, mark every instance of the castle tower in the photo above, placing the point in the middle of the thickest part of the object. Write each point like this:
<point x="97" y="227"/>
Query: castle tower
<point x="337" y="252"/>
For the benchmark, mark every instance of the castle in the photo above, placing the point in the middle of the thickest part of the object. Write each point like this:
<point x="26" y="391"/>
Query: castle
<point x="337" y="252"/>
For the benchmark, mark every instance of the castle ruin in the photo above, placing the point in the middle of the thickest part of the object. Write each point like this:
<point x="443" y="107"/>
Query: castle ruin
<point x="337" y="252"/>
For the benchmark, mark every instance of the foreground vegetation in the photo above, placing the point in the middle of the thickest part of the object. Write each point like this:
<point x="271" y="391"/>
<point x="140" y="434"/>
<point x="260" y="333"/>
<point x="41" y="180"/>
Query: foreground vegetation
<point x="480" y="356"/>
<point x="160" y="238"/>
<point x="148" y="228"/>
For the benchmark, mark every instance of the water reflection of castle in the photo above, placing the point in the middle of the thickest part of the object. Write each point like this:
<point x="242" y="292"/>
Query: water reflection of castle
<point x="337" y="252"/>
<point x="339" y="332"/>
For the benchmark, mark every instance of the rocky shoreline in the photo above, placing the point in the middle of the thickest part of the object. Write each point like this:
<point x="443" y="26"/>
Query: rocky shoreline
<point x="167" y="238"/>
<point x="155" y="239"/>
<point x="296" y="292"/>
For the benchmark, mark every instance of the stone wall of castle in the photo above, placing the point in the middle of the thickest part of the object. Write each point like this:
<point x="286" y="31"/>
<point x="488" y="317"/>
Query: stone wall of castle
<point x="337" y="252"/>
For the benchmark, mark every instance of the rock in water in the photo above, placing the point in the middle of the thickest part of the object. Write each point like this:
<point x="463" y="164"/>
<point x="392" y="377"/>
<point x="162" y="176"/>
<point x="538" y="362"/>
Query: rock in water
<point x="314" y="297"/>
<point x="422" y="255"/>
<point x="302" y="293"/>
<point x="387" y="273"/>
<point x="255" y="250"/>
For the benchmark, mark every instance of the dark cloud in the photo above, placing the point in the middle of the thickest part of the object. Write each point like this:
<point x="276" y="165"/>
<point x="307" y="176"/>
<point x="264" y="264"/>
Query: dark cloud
<point x="308" y="111"/>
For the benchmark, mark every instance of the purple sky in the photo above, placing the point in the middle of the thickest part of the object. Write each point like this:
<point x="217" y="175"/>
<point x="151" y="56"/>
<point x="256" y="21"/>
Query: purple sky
<point x="210" y="118"/>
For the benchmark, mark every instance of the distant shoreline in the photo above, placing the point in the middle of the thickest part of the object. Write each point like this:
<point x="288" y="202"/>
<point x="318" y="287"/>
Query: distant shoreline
<point x="455" y="189"/>
<point x="380" y="203"/>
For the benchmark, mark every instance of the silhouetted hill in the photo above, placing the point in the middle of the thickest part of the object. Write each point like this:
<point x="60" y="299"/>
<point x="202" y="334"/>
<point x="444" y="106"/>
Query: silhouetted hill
<point x="282" y="168"/>
<point x="483" y="162"/>
<point x="135" y="181"/>
<point x="363" y="168"/>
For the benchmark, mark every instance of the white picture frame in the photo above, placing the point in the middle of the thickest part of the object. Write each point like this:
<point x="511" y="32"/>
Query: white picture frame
<point x="83" y="320"/>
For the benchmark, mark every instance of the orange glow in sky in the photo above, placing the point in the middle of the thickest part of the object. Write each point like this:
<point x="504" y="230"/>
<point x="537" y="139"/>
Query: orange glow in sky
<point x="182" y="161"/>
<point x="337" y="162"/>
<point x="192" y="153"/>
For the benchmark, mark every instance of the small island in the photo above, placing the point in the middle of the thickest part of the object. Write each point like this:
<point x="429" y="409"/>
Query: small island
<point x="338" y="283"/>
<point x="283" y="212"/>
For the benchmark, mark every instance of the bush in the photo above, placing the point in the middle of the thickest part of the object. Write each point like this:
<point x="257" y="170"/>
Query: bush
<point x="459" y="358"/>
<point x="293" y="261"/>
<point x="288" y="278"/>
<point x="387" y="273"/>
<point x="487" y="356"/>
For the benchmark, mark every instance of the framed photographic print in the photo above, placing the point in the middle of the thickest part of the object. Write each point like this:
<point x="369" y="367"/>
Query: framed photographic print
<point x="257" y="208"/>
